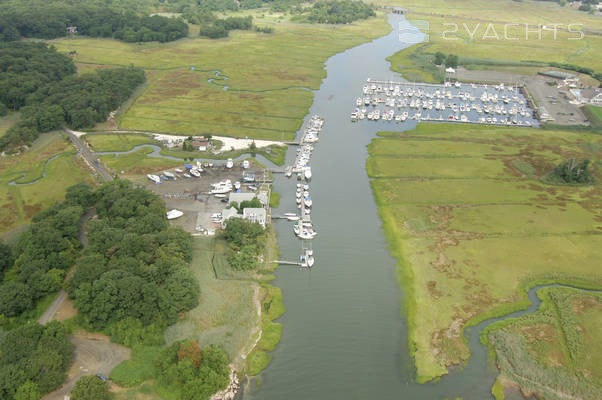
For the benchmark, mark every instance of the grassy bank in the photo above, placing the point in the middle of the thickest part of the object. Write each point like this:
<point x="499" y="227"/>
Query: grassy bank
<point x="473" y="227"/>
<point x="594" y="114"/>
<point x="117" y="141"/>
<point x="261" y="90"/>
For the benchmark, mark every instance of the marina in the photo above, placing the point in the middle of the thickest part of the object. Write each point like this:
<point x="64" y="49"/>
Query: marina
<point x="448" y="102"/>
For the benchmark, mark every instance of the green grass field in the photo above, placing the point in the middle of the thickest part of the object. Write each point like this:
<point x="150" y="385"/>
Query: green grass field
<point x="594" y="114"/>
<point x="472" y="225"/>
<point x="7" y="121"/>
<point x="552" y="352"/>
<point x="269" y="78"/>
<point x="117" y="141"/>
<point x="19" y="203"/>
<point x="483" y="36"/>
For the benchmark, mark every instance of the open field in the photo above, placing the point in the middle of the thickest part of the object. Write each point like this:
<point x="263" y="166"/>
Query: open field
<point x="117" y="141"/>
<point x="34" y="191"/>
<point x="551" y="352"/>
<point x="250" y="84"/>
<point x="473" y="226"/>
<point x="480" y="33"/>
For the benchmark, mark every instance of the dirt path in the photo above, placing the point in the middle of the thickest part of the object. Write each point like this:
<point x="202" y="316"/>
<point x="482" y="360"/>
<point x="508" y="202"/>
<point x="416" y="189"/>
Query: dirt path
<point x="94" y="354"/>
<point x="258" y="329"/>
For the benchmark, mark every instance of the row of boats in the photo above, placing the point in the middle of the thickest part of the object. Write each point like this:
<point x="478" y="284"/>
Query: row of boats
<point x="389" y="115"/>
<point x="303" y="227"/>
<point x="310" y="136"/>
<point x="442" y="105"/>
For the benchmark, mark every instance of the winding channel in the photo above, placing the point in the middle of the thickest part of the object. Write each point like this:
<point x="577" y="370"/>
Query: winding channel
<point x="344" y="336"/>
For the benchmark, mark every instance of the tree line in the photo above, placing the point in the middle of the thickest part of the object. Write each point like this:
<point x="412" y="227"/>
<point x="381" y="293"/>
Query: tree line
<point x="50" y="20"/>
<point x="336" y="12"/>
<point x="43" y="85"/>
<point x="246" y="241"/>
<point x="572" y="172"/>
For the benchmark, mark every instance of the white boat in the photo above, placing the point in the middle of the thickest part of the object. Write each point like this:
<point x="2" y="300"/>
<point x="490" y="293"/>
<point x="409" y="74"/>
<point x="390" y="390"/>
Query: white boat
<point x="236" y="185"/>
<point x="290" y="214"/>
<point x="178" y="170"/>
<point x="173" y="214"/>
<point x="307" y="173"/>
<point x="245" y="164"/>
<point x="169" y="174"/>
<point x="307" y="201"/>
<point x="154" y="178"/>
<point x="293" y="218"/>
<point x="310" y="261"/>
<point x="187" y="176"/>
<point x="220" y="195"/>
<point x="195" y="172"/>
<point x="229" y="163"/>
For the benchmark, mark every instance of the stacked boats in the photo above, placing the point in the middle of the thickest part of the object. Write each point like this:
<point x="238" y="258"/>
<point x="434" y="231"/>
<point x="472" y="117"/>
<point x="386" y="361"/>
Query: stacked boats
<point x="302" y="161"/>
<point x="458" y="102"/>
<point x="303" y="227"/>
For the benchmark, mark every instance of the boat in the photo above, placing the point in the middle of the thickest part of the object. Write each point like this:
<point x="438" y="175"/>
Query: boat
<point x="237" y="185"/>
<point x="245" y="164"/>
<point x="154" y="178"/>
<point x="187" y="176"/>
<point x="288" y="171"/>
<point x="195" y="172"/>
<point x="290" y="214"/>
<point x="220" y="195"/>
<point x="293" y="218"/>
<point x="310" y="260"/>
<point x="187" y="166"/>
<point x="229" y="163"/>
<point x="178" y="170"/>
<point x="307" y="201"/>
<point x="307" y="173"/>
<point x="169" y="174"/>
<point x="173" y="214"/>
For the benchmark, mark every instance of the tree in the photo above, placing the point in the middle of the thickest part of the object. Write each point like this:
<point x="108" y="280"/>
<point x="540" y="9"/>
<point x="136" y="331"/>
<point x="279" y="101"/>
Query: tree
<point x="451" y="61"/>
<point x="15" y="298"/>
<point x="90" y="388"/>
<point x="439" y="58"/>
<point x="28" y="391"/>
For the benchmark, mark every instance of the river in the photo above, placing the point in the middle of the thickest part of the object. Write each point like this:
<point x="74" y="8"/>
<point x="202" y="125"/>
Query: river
<point x="344" y="335"/>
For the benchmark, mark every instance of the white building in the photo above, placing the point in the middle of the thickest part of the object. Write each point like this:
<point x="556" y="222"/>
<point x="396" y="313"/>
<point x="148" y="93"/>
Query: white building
<point x="255" y="215"/>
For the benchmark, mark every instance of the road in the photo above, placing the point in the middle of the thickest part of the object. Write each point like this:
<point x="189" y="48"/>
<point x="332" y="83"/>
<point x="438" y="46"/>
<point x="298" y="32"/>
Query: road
<point x="88" y="156"/>
<point x="62" y="296"/>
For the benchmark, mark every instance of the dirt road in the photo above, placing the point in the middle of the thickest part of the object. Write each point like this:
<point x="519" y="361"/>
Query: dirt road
<point x="94" y="354"/>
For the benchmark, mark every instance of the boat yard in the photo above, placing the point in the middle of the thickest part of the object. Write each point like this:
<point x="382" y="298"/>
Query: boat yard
<point x="449" y="102"/>
<point x="202" y="200"/>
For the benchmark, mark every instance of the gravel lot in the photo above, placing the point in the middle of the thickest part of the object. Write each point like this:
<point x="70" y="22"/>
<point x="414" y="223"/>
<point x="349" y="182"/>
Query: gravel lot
<point x="190" y="195"/>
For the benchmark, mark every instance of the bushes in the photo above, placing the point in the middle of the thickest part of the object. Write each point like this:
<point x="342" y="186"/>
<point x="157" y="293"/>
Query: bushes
<point x="90" y="388"/>
<point x="572" y="172"/>
<point x="217" y="28"/>
<point x="192" y="373"/>
<point x="339" y="12"/>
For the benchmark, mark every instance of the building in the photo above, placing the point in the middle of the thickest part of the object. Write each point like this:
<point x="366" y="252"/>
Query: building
<point x="240" y="197"/>
<point x="200" y="143"/>
<point x="596" y="100"/>
<point x="255" y="215"/>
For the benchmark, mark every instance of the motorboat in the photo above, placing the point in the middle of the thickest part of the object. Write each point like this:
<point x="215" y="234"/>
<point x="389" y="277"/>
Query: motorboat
<point x="154" y="178"/>
<point x="245" y="164"/>
<point x="229" y="163"/>
<point x="173" y="214"/>
<point x="195" y="172"/>
<point x="307" y="201"/>
<point x="169" y="174"/>
<point x="307" y="173"/>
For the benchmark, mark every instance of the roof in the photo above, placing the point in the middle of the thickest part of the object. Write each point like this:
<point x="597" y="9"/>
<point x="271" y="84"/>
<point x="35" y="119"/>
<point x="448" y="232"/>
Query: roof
<point x="254" y="212"/>
<point x="228" y="213"/>
<point x="240" y="197"/>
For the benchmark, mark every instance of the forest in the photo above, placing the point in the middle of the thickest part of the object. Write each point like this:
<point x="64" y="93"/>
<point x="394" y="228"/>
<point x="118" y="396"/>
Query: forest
<point x="34" y="360"/>
<point x="246" y="240"/>
<point x="131" y="281"/>
<point x="42" y="84"/>
<point x="337" y="12"/>
<point x="50" y="20"/>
